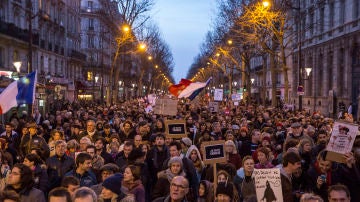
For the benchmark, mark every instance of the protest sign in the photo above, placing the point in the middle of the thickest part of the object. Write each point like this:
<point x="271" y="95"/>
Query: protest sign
<point x="175" y="128"/>
<point x="341" y="141"/>
<point x="213" y="106"/>
<point x="166" y="107"/>
<point x="213" y="152"/>
<point x="268" y="184"/>
<point x="218" y="94"/>
<point x="236" y="97"/>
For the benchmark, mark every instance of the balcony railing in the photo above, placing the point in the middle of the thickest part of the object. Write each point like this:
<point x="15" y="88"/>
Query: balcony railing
<point x="12" y="30"/>
<point x="77" y="55"/>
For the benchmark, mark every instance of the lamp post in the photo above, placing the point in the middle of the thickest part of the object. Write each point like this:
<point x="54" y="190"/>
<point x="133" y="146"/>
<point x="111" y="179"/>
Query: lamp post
<point x="17" y="66"/>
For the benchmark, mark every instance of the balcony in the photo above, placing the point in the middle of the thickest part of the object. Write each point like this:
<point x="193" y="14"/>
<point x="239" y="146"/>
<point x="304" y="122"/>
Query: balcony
<point x="77" y="55"/>
<point x="11" y="30"/>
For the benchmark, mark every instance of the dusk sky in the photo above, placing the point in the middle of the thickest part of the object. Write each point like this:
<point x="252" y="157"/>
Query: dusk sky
<point x="184" y="24"/>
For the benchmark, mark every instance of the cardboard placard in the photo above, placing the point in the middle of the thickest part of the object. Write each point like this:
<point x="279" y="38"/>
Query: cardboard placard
<point x="268" y="184"/>
<point x="236" y="97"/>
<point x="341" y="141"/>
<point x="213" y="152"/>
<point x="175" y="128"/>
<point x="213" y="106"/>
<point x="166" y="107"/>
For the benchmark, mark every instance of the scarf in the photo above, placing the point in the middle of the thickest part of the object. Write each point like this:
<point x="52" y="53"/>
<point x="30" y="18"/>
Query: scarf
<point x="198" y="165"/>
<point x="131" y="185"/>
<point x="170" y="175"/>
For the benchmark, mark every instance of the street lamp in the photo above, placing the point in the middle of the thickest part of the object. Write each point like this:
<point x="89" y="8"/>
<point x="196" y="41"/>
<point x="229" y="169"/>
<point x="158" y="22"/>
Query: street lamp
<point x="17" y="66"/>
<point x="308" y="71"/>
<point x="252" y="80"/>
<point x="96" y="78"/>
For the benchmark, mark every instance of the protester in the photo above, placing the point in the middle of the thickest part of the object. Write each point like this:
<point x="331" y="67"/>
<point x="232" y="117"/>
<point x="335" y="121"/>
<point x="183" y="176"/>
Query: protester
<point x="37" y="165"/>
<point x="179" y="188"/>
<point x="85" y="194"/>
<point x="59" y="194"/>
<point x="132" y="182"/>
<point x="83" y="170"/>
<point x="21" y="181"/>
<point x="112" y="190"/>
<point x="71" y="184"/>
<point x="206" y="192"/>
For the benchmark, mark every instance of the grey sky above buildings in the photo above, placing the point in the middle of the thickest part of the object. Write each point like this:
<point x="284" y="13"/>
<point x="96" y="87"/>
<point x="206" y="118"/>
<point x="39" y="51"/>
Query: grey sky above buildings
<point x="184" y="24"/>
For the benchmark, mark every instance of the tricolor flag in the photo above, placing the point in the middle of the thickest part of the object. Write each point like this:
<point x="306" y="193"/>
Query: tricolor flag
<point x="188" y="89"/>
<point x="18" y="92"/>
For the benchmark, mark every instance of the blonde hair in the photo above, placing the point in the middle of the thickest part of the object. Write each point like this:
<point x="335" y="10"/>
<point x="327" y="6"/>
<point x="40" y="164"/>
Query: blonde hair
<point x="231" y="143"/>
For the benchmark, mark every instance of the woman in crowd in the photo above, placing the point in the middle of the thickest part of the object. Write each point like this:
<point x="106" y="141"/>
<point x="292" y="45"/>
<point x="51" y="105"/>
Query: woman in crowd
<point x="72" y="147"/>
<point x="263" y="154"/>
<point x="232" y="155"/>
<point x="21" y="181"/>
<point x="247" y="183"/>
<point x="159" y="126"/>
<point x="132" y="183"/>
<point x="5" y="168"/>
<point x="194" y="155"/>
<point x="112" y="192"/>
<point x="162" y="186"/>
<point x="323" y="174"/>
<point x="36" y="164"/>
<point x="206" y="191"/>
<point x="305" y="148"/>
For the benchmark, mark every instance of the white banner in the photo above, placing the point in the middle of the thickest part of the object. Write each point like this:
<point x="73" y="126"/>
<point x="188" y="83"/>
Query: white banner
<point x="218" y="94"/>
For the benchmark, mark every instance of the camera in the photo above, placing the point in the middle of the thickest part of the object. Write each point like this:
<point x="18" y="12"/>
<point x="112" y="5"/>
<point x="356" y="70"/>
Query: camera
<point x="323" y="178"/>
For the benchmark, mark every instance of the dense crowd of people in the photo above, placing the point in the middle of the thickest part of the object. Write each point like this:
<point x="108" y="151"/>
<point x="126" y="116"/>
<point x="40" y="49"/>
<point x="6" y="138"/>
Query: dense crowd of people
<point x="91" y="152"/>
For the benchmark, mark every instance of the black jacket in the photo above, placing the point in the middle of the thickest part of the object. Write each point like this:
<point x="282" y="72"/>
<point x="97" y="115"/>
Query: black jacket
<point x="57" y="167"/>
<point x="35" y="142"/>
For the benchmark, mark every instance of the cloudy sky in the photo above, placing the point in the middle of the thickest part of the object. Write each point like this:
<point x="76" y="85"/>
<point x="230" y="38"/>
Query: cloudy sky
<point x="183" y="24"/>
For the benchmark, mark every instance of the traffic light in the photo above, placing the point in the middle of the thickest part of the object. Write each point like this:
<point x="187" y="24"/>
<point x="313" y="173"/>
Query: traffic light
<point x="244" y="88"/>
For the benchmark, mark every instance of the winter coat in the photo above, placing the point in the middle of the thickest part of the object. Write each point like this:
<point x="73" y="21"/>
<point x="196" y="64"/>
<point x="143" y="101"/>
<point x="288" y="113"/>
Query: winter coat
<point x="57" y="167"/>
<point x="88" y="179"/>
<point x="29" y="194"/>
<point x="121" y="198"/>
<point x="41" y="178"/>
<point x="136" y="188"/>
<point x="35" y="142"/>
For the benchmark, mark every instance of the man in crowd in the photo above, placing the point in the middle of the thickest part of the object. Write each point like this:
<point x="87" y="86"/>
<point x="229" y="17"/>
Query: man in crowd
<point x="91" y="131"/>
<point x="59" y="164"/>
<point x="71" y="184"/>
<point x="107" y="171"/>
<point x="291" y="163"/>
<point x="339" y="192"/>
<point x="179" y="187"/>
<point x="122" y="159"/>
<point x="13" y="138"/>
<point x="83" y="170"/>
<point x="100" y="150"/>
<point x="59" y="194"/>
<point x="96" y="161"/>
<point x="34" y="141"/>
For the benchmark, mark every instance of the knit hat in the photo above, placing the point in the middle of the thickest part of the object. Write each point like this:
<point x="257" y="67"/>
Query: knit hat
<point x="225" y="188"/>
<point x="175" y="159"/>
<point x="186" y="141"/>
<point x="113" y="183"/>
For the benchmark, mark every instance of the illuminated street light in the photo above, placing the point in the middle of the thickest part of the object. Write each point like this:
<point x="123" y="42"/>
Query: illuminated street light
<point x="126" y="28"/>
<point x="308" y="71"/>
<point x="96" y="78"/>
<point x="142" y="46"/>
<point x="217" y="54"/>
<point x="149" y="57"/>
<point x="252" y="80"/>
<point x="229" y="41"/>
<point x="17" y="66"/>
<point x="266" y="4"/>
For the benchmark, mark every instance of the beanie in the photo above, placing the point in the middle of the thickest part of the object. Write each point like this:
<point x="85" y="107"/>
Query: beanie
<point x="113" y="183"/>
<point x="186" y="141"/>
<point x="225" y="188"/>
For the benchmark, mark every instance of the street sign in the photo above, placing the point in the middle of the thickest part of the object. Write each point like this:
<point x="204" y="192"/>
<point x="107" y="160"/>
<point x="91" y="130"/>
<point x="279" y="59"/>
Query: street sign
<point x="300" y="90"/>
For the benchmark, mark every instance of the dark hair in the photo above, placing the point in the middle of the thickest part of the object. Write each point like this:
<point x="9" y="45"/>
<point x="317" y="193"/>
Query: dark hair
<point x="264" y="150"/>
<point x="69" y="180"/>
<point x="291" y="157"/>
<point x="339" y="187"/>
<point x="60" y="192"/>
<point x="129" y="143"/>
<point x="101" y="139"/>
<point x="176" y="144"/>
<point x="81" y="158"/>
<point x="10" y="195"/>
<point x="34" y="158"/>
<point x="136" y="171"/>
<point x="91" y="147"/>
<point x="6" y="156"/>
<point x="322" y="155"/>
<point x="26" y="176"/>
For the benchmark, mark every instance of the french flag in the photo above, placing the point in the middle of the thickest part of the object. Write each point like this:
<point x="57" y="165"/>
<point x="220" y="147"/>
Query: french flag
<point x="188" y="89"/>
<point x="18" y="92"/>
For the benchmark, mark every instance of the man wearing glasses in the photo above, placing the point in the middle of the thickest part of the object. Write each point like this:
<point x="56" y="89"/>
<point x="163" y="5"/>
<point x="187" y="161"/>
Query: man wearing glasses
<point x="179" y="187"/>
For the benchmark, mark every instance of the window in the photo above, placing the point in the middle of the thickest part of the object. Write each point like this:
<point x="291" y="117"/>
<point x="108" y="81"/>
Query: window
<point x="356" y="9"/>
<point x="91" y="42"/>
<point x="90" y="6"/>
<point x="311" y="23"/>
<point x="91" y="24"/>
<point x="331" y="14"/>
<point x="322" y="17"/>
<point x="342" y="12"/>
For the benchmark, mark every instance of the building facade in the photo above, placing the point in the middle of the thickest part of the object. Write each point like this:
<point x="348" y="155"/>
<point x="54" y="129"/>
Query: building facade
<point x="329" y="32"/>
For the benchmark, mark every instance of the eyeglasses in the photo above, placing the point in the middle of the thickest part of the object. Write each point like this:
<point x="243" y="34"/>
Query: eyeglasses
<point x="173" y="185"/>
